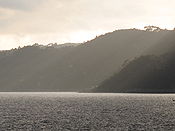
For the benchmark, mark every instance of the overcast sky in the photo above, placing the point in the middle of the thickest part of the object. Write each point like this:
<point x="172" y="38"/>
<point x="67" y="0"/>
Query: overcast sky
<point x="24" y="22"/>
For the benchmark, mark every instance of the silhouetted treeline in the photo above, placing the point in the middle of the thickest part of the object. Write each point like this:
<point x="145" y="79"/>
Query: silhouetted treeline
<point x="78" y="67"/>
<point x="146" y="74"/>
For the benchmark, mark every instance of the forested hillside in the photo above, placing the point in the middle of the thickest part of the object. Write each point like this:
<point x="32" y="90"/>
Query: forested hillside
<point x="79" y="66"/>
<point x="146" y="74"/>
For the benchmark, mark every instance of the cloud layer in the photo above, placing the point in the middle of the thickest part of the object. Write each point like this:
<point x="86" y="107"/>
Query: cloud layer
<point x="63" y="18"/>
<point x="20" y="4"/>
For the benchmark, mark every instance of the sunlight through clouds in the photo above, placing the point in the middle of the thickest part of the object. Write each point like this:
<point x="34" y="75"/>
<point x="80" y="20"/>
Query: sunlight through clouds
<point x="77" y="20"/>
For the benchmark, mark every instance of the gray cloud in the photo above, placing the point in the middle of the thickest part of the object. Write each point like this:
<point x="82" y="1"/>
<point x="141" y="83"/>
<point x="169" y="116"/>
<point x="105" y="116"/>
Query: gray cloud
<point x="61" y="18"/>
<point x="20" y="4"/>
<point x="72" y="15"/>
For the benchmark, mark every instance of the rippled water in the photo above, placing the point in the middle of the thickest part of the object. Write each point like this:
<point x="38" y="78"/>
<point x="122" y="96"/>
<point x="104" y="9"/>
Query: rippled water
<point x="78" y="111"/>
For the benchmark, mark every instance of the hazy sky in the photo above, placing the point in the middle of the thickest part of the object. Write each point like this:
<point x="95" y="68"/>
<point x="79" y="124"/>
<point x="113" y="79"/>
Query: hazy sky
<point x="24" y="22"/>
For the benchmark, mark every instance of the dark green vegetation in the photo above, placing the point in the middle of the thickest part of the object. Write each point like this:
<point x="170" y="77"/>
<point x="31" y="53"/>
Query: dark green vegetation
<point x="146" y="74"/>
<point x="85" y="66"/>
<point x="153" y="73"/>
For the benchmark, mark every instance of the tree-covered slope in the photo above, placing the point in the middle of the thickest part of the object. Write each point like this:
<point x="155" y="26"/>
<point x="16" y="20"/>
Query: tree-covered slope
<point x="146" y="74"/>
<point x="74" y="68"/>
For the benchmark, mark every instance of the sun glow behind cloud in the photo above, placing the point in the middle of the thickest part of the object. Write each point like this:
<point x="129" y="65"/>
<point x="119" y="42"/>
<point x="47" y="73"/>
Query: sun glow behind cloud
<point x="83" y="36"/>
<point x="25" y="22"/>
<point x="14" y="41"/>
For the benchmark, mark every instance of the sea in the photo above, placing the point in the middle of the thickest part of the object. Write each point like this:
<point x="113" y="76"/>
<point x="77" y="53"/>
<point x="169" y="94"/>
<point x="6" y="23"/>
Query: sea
<point x="72" y="111"/>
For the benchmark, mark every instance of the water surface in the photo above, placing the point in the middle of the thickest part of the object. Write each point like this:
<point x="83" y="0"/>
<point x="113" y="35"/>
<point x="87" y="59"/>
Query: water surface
<point x="81" y="111"/>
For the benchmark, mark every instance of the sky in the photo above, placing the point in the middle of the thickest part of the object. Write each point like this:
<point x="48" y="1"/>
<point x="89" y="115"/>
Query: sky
<point x="25" y="22"/>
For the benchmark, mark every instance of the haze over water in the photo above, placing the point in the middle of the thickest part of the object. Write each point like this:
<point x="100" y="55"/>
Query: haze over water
<point x="81" y="111"/>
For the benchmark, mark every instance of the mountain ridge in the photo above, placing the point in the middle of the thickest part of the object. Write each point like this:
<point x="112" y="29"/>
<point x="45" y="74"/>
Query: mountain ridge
<point x="74" y="68"/>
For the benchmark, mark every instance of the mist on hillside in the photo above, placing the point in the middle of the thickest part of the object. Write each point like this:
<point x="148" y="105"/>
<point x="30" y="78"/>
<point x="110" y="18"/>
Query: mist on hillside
<point x="81" y="67"/>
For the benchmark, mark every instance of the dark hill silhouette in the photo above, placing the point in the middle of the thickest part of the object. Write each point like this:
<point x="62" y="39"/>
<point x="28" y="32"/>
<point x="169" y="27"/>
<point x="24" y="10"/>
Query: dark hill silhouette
<point x="146" y="74"/>
<point x="75" y="68"/>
